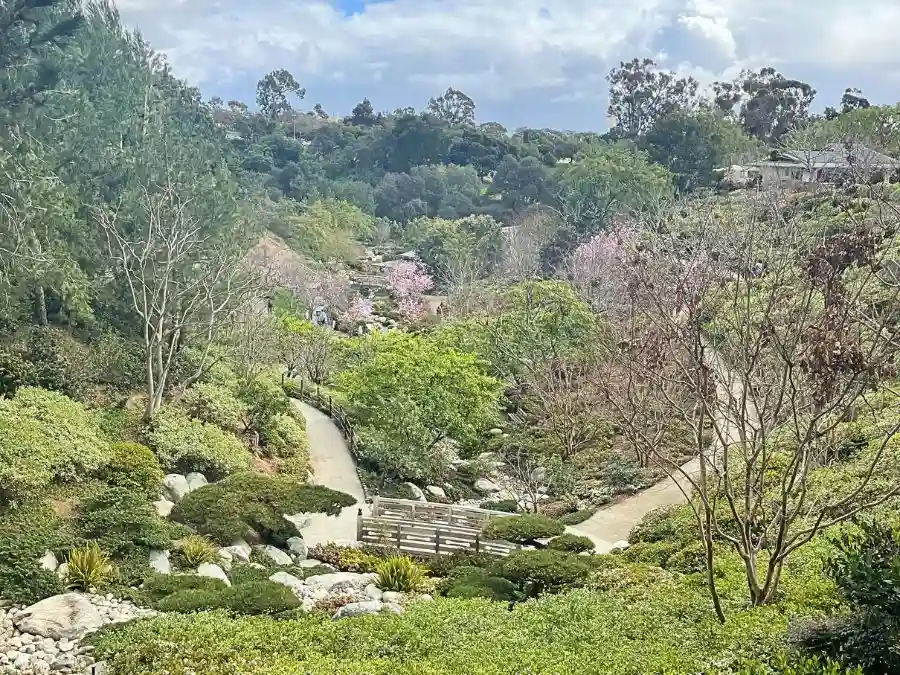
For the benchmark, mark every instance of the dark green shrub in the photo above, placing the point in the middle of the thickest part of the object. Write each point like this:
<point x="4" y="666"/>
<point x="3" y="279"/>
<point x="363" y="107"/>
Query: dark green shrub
<point x="263" y="400"/>
<point x="159" y="586"/>
<point x="475" y="582"/>
<point x="254" y="504"/>
<point x="524" y="529"/>
<point x="545" y="571"/>
<point x="123" y="521"/>
<point x="577" y="517"/>
<point x="133" y="466"/>
<point x="15" y="371"/>
<point x="24" y="537"/>
<point x="121" y="423"/>
<point x="306" y="572"/>
<point x="57" y="361"/>
<point x="505" y="505"/>
<point x="242" y="574"/>
<point x="688" y="560"/>
<point x="655" y="553"/>
<point x="212" y="404"/>
<point x="252" y="597"/>
<point x="444" y="565"/>
<point x="792" y="665"/>
<point x="571" y="542"/>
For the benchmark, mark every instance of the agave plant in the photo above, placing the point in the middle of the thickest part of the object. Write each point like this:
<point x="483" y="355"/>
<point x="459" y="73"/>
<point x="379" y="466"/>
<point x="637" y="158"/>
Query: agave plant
<point x="400" y="573"/>
<point x="89" y="567"/>
<point x="197" y="550"/>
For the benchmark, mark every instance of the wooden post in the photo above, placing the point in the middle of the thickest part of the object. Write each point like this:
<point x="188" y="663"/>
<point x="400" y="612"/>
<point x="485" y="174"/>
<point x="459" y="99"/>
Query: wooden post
<point x="359" y="525"/>
<point x="477" y="542"/>
<point x="412" y="512"/>
<point x="437" y="542"/>
<point x="399" y="534"/>
<point x="330" y="407"/>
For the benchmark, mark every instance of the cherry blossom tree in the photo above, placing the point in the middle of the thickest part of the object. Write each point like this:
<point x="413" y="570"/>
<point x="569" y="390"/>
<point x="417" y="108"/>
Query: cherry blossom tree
<point x="407" y="282"/>
<point x="359" y="311"/>
<point x="597" y="267"/>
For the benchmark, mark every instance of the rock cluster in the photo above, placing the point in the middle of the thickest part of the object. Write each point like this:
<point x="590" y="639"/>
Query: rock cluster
<point x="46" y="637"/>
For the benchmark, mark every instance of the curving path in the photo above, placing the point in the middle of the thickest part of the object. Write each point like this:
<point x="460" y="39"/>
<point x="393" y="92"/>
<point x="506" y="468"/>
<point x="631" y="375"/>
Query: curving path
<point x="332" y="466"/>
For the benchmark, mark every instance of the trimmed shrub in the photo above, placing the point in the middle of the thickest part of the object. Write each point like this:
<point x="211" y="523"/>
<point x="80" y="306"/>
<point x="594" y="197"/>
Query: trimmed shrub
<point x="159" y="586"/>
<point x="15" y="371"/>
<point x="45" y="437"/>
<point x="571" y="542"/>
<point x="24" y="537"/>
<point x="291" y="388"/>
<point x="285" y="436"/>
<point x="212" y="404"/>
<point x="400" y="573"/>
<point x="505" y="505"/>
<point x="666" y="522"/>
<point x="524" y="529"/>
<point x="253" y="504"/>
<point x="89" y="567"/>
<point x="123" y="522"/>
<point x="120" y="424"/>
<point x="133" y="466"/>
<point x="263" y="400"/>
<point x="479" y="584"/>
<point x="184" y="445"/>
<point x="545" y="571"/>
<point x="241" y="574"/>
<point x="252" y="597"/>
<point x="444" y="565"/>
<point x="577" y="517"/>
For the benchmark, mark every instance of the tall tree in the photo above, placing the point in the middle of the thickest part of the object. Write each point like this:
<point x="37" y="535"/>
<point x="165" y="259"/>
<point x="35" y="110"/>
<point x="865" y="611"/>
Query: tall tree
<point x="453" y="107"/>
<point x="273" y="90"/>
<point x="362" y="115"/>
<point x="640" y="94"/>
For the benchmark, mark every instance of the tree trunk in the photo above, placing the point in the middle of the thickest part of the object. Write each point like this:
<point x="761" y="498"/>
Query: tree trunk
<point x="42" y="305"/>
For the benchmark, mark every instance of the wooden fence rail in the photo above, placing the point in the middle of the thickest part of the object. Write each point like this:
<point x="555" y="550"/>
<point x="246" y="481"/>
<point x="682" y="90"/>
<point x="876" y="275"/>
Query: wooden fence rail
<point x="427" y="539"/>
<point x="453" y="515"/>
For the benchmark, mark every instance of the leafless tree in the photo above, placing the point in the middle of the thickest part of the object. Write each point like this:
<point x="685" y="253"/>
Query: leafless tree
<point x="522" y="242"/>
<point x="766" y="330"/>
<point x="184" y="284"/>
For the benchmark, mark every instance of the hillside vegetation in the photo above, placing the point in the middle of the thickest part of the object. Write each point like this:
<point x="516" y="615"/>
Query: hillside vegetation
<point x="537" y="322"/>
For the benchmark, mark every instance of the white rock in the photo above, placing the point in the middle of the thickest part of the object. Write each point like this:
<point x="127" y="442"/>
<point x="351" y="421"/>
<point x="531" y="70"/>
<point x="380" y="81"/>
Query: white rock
<point x="275" y="554"/>
<point x="488" y="456"/>
<point x="196" y="480"/>
<point x="485" y="485"/>
<point x="22" y="661"/>
<point x="213" y="571"/>
<point x="286" y="579"/>
<point x="394" y="608"/>
<point x="436" y="491"/>
<point x="424" y="596"/>
<point x="175" y="486"/>
<point x="159" y="561"/>
<point x="225" y="559"/>
<point x="69" y="615"/>
<point x="62" y="572"/>
<point x="256" y="566"/>
<point x="392" y="596"/>
<point x="298" y="547"/>
<point x="620" y="546"/>
<point x="358" y="609"/>
<point x="49" y="562"/>
<point x="298" y="520"/>
<point x="236" y="552"/>
<point x="337" y="579"/>
<point x="312" y="562"/>
<point x="374" y="592"/>
<point x="539" y="474"/>
<point x="416" y="491"/>
<point x="163" y="507"/>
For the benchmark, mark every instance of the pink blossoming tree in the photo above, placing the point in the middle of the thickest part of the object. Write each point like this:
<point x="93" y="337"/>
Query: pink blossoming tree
<point x="407" y="282"/>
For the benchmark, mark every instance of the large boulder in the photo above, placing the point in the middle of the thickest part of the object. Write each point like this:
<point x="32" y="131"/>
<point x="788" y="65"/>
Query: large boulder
<point x="341" y="580"/>
<point x="163" y="507"/>
<point x="298" y="520"/>
<point x="286" y="579"/>
<point x="49" y="562"/>
<point x="196" y="480"/>
<point x="214" y="572"/>
<point x="275" y="554"/>
<point x="175" y="487"/>
<point x="485" y="485"/>
<point x="69" y="616"/>
<point x="298" y="547"/>
<point x="159" y="561"/>
<point x="416" y="492"/>
<point x="436" y="491"/>
<point x="358" y="609"/>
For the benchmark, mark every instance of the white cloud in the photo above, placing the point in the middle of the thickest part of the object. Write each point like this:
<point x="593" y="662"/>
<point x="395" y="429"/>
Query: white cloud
<point x="495" y="51"/>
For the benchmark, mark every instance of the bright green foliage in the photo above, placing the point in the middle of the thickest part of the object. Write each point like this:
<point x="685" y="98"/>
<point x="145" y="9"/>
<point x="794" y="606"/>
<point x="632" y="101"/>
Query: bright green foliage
<point x="285" y="436"/>
<point x="443" y="565"/>
<point x="183" y="445"/>
<point x="263" y="400"/>
<point x="324" y="229"/>
<point x="252" y="502"/>
<point x="213" y="404"/>
<point x="571" y="542"/>
<point x="89" y="567"/>
<point x="400" y="573"/>
<point x="672" y="631"/>
<point x="252" y="597"/>
<point x="792" y="665"/>
<point x="120" y="423"/>
<point x="133" y="466"/>
<point x="577" y="517"/>
<point x="523" y="529"/>
<point x="45" y="437"/>
<point x="124" y="522"/>
<point x="411" y="394"/>
<point x="345" y="558"/>
<point x="474" y="582"/>
<point x="196" y="550"/>
<point x="545" y="571"/>
<point x="505" y="505"/>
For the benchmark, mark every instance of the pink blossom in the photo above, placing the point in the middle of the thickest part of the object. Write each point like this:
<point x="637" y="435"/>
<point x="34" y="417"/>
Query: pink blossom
<point x="359" y="311"/>
<point x="598" y="266"/>
<point x="407" y="282"/>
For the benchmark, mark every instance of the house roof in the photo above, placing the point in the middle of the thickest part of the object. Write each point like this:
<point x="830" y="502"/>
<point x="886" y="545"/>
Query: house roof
<point x="836" y="158"/>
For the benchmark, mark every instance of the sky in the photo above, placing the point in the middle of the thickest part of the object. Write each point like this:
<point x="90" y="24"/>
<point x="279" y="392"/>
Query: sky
<point x="536" y="63"/>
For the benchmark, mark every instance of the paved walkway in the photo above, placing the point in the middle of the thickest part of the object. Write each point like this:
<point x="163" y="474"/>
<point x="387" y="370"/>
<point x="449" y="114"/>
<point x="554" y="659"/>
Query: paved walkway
<point x="332" y="466"/>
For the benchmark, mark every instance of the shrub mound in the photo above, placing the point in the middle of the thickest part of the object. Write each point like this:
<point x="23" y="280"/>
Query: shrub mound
<point x="444" y="565"/>
<point x="505" y="505"/>
<point x="571" y="542"/>
<point x="252" y="505"/>
<point x="212" y="404"/>
<point x="577" y="517"/>
<point x="183" y="445"/>
<point x="133" y="466"/>
<point x="251" y="597"/>
<point x="545" y="571"/>
<point x="475" y="582"/>
<point x="524" y="529"/>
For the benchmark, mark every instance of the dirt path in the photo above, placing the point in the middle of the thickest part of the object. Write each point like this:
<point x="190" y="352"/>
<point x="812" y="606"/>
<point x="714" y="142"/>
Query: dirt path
<point x="332" y="466"/>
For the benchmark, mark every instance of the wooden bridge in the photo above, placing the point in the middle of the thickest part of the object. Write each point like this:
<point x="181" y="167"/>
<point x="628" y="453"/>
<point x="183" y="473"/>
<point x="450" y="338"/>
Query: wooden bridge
<point x="426" y="529"/>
